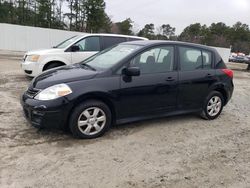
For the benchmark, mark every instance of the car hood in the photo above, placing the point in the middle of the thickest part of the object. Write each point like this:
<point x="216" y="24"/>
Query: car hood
<point x="44" y="51"/>
<point x="62" y="74"/>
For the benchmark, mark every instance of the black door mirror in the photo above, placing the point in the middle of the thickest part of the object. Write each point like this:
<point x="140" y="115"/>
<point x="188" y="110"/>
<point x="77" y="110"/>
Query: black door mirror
<point x="75" y="48"/>
<point x="132" y="71"/>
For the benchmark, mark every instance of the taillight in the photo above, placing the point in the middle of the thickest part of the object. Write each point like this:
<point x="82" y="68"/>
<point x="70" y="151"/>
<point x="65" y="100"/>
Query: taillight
<point x="228" y="72"/>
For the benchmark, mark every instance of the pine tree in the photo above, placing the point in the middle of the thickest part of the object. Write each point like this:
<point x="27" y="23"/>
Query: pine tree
<point x="96" y="18"/>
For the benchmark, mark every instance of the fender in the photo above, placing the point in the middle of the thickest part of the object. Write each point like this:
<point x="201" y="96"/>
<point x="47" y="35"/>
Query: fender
<point x="109" y="99"/>
<point x="66" y="60"/>
<point x="223" y="88"/>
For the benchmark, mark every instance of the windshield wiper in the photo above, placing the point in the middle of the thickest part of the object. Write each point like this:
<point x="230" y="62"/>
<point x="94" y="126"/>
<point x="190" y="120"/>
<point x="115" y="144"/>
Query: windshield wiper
<point x="88" y="66"/>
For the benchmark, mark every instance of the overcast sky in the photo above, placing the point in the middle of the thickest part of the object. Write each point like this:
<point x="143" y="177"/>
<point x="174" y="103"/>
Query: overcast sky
<point x="179" y="13"/>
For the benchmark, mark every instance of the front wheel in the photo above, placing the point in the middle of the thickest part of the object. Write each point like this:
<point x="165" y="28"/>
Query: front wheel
<point x="213" y="106"/>
<point x="90" y="119"/>
<point x="53" y="65"/>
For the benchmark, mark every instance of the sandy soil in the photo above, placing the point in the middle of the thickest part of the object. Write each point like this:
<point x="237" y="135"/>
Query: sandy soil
<point x="181" y="151"/>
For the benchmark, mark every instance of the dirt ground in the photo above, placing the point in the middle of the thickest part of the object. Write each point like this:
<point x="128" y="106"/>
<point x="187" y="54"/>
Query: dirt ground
<point x="181" y="151"/>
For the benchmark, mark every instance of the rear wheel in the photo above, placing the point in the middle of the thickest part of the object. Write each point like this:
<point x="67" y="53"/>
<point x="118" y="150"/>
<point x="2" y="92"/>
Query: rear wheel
<point x="213" y="105"/>
<point x="90" y="119"/>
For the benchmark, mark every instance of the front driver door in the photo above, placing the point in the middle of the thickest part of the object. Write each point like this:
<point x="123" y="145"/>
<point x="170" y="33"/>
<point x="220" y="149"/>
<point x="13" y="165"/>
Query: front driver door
<point x="155" y="90"/>
<point x="87" y="47"/>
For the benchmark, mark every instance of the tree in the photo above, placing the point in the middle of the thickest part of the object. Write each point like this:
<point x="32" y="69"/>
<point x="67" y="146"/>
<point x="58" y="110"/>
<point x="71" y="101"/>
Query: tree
<point x="5" y="12"/>
<point x="240" y="37"/>
<point x="217" y="35"/>
<point x="192" y="33"/>
<point x="107" y="24"/>
<point x="148" y="31"/>
<point x="125" y="27"/>
<point x="90" y="16"/>
<point x="96" y="18"/>
<point x="43" y="16"/>
<point x="167" y="30"/>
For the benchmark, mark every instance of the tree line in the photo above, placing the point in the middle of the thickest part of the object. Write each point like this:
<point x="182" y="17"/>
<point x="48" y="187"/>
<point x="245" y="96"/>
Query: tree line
<point x="80" y="15"/>
<point x="217" y="34"/>
<point x="90" y="16"/>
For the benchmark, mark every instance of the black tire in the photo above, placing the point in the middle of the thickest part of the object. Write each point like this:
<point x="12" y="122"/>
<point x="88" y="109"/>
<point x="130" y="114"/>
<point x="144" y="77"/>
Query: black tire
<point x="205" y="112"/>
<point x="53" y="65"/>
<point x="78" y="113"/>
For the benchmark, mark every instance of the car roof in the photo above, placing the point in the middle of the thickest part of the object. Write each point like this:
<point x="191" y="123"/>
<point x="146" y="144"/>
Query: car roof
<point x="161" y="42"/>
<point x="113" y="35"/>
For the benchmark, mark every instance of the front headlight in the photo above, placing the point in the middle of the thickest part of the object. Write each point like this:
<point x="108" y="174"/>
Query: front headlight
<point x="32" y="58"/>
<point x="54" y="92"/>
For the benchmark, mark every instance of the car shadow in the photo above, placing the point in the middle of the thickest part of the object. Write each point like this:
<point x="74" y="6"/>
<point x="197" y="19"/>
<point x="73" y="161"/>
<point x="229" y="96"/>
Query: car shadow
<point x="63" y="138"/>
<point x="138" y="126"/>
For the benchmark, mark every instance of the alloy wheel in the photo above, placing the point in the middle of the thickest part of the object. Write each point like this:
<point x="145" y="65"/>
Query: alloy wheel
<point x="214" y="106"/>
<point x="91" y="121"/>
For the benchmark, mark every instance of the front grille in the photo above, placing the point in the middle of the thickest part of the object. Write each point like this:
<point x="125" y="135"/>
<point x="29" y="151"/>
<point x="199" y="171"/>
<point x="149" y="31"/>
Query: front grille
<point x="31" y="92"/>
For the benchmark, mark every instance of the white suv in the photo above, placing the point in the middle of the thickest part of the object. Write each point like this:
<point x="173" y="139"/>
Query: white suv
<point x="72" y="50"/>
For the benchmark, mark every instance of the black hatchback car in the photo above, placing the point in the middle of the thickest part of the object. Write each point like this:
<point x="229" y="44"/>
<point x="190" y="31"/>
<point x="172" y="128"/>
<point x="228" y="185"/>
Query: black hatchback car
<point x="129" y="82"/>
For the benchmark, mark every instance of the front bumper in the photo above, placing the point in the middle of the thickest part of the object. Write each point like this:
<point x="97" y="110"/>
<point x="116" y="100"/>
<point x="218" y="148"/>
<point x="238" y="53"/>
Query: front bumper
<point x="30" y="68"/>
<point x="46" y="114"/>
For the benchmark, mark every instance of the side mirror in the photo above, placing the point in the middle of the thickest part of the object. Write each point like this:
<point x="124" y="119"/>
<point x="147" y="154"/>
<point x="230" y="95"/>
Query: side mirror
<point x="131" y="71"/>
<point x="75" y="48"/>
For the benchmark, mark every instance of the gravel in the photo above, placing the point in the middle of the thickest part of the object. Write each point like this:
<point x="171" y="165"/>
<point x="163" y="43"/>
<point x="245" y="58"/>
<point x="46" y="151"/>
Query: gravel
<point x="180" y="151"/>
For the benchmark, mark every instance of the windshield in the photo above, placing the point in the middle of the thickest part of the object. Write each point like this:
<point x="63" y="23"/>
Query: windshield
<point x="110" y="56"/>
<point x="67" y="42"/>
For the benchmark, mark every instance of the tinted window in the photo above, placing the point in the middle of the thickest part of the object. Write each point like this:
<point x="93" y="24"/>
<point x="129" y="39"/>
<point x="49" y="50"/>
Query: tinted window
<point x="156" y="60"/>
<point x="89" y="44"/>
<point x="111" y="41"/>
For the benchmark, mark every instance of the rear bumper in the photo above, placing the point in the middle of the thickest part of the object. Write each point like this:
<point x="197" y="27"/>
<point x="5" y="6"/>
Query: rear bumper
<point x="229" y="91"/>
<point x="41" y="114"/>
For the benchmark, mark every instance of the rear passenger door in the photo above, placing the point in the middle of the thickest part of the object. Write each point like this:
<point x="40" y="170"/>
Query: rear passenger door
<point x="108" y="41"/>
<point x="196" y="74"/>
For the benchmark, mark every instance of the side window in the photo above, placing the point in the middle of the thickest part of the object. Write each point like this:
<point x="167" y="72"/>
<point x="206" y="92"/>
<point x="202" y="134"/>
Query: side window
<point x="89" y="44"/>
<point x="111" y="41"/>
<point x="190" y="59"/>
<point x="193" y="59"/>
<point x="156" y="60"/>
<point x="207" y="59"/>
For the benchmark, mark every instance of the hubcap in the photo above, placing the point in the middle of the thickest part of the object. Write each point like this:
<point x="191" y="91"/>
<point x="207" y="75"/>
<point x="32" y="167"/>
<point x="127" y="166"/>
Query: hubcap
<point x="214" y="106"/>
<point x="91" y="121"/>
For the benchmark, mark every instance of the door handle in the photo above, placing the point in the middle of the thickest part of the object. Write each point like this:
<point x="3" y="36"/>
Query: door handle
<point x="170" y="79"/>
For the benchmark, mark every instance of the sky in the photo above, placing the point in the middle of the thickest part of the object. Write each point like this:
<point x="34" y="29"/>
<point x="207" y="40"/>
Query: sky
<point x="178" y="13"/>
